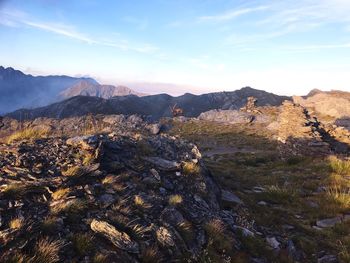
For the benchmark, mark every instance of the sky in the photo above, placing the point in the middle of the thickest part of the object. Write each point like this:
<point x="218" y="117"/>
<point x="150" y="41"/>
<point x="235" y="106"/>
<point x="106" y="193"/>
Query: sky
<point x="282" y="46"/>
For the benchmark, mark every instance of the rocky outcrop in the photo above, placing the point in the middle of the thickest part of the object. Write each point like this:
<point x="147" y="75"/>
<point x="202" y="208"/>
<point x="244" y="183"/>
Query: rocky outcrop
<point x="121" y="193"/>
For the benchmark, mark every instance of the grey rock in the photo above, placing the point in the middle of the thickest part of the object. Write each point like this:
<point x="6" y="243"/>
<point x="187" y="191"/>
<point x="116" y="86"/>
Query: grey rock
<point x="154" y="128"/>
<point x="329" y="222"/>
<point x="272" y="242"/>
<point x="106" y="200"/>
<point x="163" y="164"/>
<point x="327" y="259"/>
<point x="229" y="197"/>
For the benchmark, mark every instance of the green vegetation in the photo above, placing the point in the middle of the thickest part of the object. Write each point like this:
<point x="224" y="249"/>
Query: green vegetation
<point x="286" y="196"/>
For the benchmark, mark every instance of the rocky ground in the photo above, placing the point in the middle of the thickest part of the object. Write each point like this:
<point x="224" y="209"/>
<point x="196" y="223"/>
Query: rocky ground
<point x="267" y="184"/>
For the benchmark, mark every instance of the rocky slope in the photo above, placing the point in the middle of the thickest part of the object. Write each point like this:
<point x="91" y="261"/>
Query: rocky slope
<point x="126" y="196"/>
<point x="87" y="88"/>
<point x="333" y="104"/>
<point x="155" y="106"/>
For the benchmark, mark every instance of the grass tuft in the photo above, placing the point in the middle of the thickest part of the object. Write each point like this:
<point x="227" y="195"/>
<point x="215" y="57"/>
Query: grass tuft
<point x="47" y="251"/>
<point x="60" y="193"/>
<point x="175" y="200"/>
<point x="82" y="243"/>
<point x="16" y="223"/>
<point x="190" y="168"/>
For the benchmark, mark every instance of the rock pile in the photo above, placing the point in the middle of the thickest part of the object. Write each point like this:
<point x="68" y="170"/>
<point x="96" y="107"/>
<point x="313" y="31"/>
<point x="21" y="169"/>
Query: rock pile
<point x="117" y="197"/>
<point x="299" y="133"/>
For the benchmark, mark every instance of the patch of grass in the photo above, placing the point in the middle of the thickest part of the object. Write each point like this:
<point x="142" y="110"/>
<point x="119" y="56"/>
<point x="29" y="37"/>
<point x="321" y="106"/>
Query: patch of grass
<point x="27" y="134"/>
<point x="16" y="223"/>
<point x="175" y="200"/>
<point x="60" y="193"/>
<point x="190" y="168"/>
<point x="340" y="195"/>
<point x="277" y="194"/>
<point x="339" y="166"/>
<point x="82" y="243"/>
<point x="47" y="251"/>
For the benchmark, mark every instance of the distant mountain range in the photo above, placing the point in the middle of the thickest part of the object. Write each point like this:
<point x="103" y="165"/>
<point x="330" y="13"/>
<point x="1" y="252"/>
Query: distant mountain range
<point x="19" y="90"/>
<point x="155" y="106"/>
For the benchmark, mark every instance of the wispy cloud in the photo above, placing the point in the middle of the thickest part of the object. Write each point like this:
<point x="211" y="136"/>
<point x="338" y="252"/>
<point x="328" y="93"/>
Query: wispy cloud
<point x="231" y="14"/>
<point x="139" y="23"/>
<point x="15" y="18"/>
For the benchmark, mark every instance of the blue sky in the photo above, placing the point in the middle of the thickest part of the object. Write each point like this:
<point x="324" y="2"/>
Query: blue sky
<point x="282" y="46"/>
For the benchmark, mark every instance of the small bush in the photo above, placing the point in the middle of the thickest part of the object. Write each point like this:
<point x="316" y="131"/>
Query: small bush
<point x="27" y="134"/>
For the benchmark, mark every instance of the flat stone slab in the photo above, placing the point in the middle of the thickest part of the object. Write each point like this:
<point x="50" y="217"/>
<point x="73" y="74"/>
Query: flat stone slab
<point x="119" y="239"/>
<point x="163" y="164"/>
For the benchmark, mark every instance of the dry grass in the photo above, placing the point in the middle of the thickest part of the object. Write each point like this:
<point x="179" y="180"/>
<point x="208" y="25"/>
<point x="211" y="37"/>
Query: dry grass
<point x="18" y="190"/>
<point x="16" y="223"/>
<point x="75" y="171"/>
<point x="340" y="195"/>
<point x="140" y="202"/>
<point x="151" y="255"/>
<point x="46" y="251"/>
<point x="339" y="166"/>
<point x="190" y="168"/>
<point x="175" y="200"/>
<point x="216" y="231"/>
<point x="100" y="258"/>
<point x="82" y="243"/>
<point x="109" y="179"/>
<point x="88" y="159"/>
<point x="27" y="134"/>
<point x="60" y="193"/>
